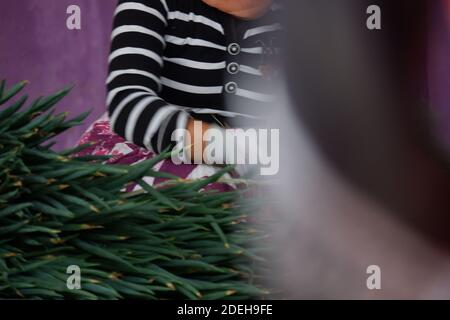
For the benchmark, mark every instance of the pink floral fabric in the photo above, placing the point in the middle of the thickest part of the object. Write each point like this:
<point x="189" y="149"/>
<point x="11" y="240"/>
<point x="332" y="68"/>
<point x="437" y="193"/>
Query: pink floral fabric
<point x="106" y="143"/>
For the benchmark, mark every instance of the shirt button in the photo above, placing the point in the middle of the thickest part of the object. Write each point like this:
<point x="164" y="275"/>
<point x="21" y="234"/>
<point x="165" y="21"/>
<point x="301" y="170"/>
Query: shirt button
<point x="231" y="87"/>
<point x="233" y="68"/>
<point x="234" y="49"/>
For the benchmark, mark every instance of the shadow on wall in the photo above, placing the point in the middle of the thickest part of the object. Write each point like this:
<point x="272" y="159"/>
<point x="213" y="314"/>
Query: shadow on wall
<point x="38" y="47"/>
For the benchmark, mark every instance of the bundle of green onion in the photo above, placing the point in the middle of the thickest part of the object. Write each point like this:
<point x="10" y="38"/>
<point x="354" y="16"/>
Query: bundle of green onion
<point x="56" y="211"/>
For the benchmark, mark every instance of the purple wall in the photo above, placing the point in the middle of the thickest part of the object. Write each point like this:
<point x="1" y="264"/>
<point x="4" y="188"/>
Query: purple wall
<point x="36" y="45"/>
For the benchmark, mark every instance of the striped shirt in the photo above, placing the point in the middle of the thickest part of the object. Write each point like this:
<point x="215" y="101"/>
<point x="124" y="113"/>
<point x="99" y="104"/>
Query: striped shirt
<point x="175" y="59"/>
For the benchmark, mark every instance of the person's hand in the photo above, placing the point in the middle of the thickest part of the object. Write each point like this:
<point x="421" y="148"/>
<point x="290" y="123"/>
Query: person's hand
<point x="197" y="142"/>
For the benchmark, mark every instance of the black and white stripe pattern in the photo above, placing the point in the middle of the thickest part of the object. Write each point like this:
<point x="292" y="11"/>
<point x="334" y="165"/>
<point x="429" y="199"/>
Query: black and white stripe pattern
<point x="168" y="62"/>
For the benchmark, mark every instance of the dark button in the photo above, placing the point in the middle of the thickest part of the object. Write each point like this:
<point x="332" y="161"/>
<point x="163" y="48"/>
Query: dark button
<point x="233" y="68"/>
<point x="234" y="49"/>
<point x="231" y="87"/>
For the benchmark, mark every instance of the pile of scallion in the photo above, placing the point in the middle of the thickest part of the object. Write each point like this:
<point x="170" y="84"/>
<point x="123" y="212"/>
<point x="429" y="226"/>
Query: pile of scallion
<point x="57" y="211"/>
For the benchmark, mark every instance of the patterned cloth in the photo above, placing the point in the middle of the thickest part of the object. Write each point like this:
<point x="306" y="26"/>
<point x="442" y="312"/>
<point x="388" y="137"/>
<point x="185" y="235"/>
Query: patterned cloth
<point x="107" y="143"/>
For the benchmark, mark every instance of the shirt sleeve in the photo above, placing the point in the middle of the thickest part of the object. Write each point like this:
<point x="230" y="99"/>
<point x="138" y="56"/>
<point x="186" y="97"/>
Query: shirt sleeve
<point x="136" y="111"/>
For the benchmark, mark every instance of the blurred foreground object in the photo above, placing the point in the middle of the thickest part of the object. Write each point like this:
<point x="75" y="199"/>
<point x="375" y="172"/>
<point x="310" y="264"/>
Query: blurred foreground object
<point x="363" y="96"/>
<point x="364" y="182"/>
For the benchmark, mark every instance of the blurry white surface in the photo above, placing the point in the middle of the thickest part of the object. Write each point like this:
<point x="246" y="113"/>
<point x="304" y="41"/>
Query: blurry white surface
<point x="328" y="232"/>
